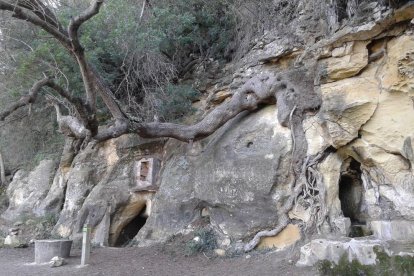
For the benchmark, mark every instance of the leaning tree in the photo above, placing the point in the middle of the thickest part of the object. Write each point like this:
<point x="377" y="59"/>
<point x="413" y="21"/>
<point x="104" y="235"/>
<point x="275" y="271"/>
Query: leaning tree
<point x="83" y="126"/>
<point x="83" y="123"/>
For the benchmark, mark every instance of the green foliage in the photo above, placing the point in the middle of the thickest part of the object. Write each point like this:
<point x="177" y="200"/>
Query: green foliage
<point x="138" y="58"/>
<point x="192" y="27"/>
<point x="49" y="220"/>
<point x="39" y="227"/>
<point x="176" y="102"/>
<point x="205" y="242"/>
<point x="386" y="266"/>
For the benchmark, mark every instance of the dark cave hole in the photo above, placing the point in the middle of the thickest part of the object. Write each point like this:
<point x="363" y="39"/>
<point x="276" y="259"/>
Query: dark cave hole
<point x="131" y="229"/>
<point x="350" y="193"/>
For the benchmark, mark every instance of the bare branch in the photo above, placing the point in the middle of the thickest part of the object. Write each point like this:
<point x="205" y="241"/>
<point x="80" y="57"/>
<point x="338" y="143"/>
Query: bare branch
<point x="76" y="22"/>
<point x="93" y="83"/>
<point x="29" y="15"/>
<point x="69" y="125"/>
<point x="144" y="2"/>
<point x="75" y="101"/>
<point x="25" y="100"/>
<point x="42" y="11"/>
<point x="33" y="93"/>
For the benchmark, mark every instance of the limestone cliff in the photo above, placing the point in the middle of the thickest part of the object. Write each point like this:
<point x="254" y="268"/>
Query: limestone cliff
<point x="238" y="180"/>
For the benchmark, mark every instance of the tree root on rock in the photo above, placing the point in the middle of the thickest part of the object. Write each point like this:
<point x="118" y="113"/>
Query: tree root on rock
<point x="308" y="189"/>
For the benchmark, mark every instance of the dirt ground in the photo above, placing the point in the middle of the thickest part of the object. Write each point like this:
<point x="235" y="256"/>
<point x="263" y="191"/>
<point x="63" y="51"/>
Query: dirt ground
<point x="157" y="261"/>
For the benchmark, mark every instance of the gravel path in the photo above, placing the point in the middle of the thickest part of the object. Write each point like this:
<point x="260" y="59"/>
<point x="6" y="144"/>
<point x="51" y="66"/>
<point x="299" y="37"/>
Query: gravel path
<point x="156" y="261"/>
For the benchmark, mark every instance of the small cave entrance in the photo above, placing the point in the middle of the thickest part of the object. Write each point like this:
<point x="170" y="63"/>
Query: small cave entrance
<point x="131" y="229"/>
<point x="351" y="192"/>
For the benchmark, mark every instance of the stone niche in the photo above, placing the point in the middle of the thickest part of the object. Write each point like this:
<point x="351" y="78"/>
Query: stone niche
<point x="146" y="171"/>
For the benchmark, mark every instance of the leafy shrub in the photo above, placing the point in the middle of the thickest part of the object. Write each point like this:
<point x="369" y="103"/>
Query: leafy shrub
<point x="386" y="265"/>
<point x="135" y="57"/>
<point x="176" y="102"/>
<point x="204" y="241"/>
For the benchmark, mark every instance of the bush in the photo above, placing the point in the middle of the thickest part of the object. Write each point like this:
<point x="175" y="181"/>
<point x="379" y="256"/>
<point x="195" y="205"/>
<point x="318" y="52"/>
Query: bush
<point x="176" y="102"/>
<point x="386" y="265"/>
<point x="204" y="241"/>
<point x="135" y="57"/>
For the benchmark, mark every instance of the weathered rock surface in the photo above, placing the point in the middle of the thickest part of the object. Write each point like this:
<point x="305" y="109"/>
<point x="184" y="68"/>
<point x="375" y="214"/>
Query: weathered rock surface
<point x="13" y="241"/>
<point x="361" y="250"/>
<point x="27" y="190"/>
<point x="346" y="61"/>
<point x="100" y="189"/>
<point x="238" y="179"/>
<point x="400" y="230"/>
<point x="239" y="175"/>
<point x="366" y="117"/>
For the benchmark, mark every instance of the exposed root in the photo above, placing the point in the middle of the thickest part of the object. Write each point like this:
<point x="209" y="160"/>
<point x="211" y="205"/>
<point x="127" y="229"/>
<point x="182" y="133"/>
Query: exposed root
<point x="308" y="190"/>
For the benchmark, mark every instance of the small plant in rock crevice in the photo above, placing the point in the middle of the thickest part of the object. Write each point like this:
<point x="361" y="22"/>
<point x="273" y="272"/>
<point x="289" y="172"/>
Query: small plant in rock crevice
<point x="204" y="241"/>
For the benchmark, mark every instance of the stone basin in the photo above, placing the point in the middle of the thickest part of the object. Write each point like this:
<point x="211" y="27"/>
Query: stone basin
<point x="45" y="250"/>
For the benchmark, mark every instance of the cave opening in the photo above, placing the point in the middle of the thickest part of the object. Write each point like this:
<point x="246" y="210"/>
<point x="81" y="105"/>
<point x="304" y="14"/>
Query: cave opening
<point x="351" y="192"/>
<point x="130" y="230"/>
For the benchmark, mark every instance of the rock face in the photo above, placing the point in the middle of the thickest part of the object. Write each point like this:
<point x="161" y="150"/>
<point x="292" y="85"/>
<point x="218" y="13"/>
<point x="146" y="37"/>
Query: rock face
<point x="27" y="190"/>
<point x="400" y="230"/>
<point x="366" y="118"/>
<point x="361" y="250"/>
<point x="240" y="175"/>
<point x="101" y="189"/>
<point x="238" y="179"/>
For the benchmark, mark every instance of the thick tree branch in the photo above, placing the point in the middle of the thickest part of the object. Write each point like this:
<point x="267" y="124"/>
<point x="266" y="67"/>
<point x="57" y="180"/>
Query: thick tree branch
<point x="75" y="101"/>
<point x="29" y="15"/>
<point x="37" y="13"/>
<point x="106" y="94"/>
<point x="31" y="97"/>
<point x="76" y="22"/>
<point x="69" y="125"/>
<point x="25" y="100"/>
<point x="92" y="81"/>
<point x="43" y="12"/>
<point x="254" y="92"/>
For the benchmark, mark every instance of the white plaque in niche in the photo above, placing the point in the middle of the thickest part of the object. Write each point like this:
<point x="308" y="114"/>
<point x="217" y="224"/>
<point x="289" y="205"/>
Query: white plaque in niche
<point x="146" y="171"/>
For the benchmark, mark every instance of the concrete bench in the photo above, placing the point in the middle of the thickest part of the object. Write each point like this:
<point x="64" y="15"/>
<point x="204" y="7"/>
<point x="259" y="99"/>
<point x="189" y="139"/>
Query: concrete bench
<point x="45" y="250"/>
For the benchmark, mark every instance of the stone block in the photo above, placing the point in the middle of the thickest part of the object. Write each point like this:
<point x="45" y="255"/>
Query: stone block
<point x="13" y="241"/>
<point x="57" y="261"/>
<point x="361" y="250"/>
<point x="393" y="229"/>
<point x="45" y="250"/>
